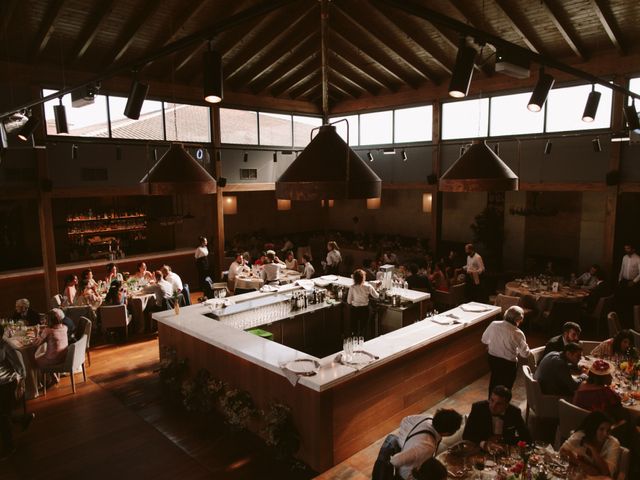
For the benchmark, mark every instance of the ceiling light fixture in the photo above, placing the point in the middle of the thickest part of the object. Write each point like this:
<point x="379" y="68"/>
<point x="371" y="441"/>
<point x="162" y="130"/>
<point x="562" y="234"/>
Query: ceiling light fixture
<point x="137" y="95"/>
<point x="462" y="71"/>
<point x="370" y="156"/>
<point x="631" y="115"/>
<point x="74" y="152"/>
<point x="591" y="107"/>
<point x="389" y="151"/>
<point x="404" y="156"/>
<point x="596" y="145"/>
<point x="28" y="128"/>
<point x="541" y="91"/>
<point x="547" y="147"/>
<point x="60" y="115"/>
<point x="620" y="137"/>
<point x="213" y="78"/>
<point x="275" y="157"/>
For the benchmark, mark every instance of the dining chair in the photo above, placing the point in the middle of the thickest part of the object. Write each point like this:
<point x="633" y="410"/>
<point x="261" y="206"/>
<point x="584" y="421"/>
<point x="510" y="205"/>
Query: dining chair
<point x="56" y="301"/>
<point x="115" y="316"/>
<point x="84" y="327"/>
<point x="534" y="358"/>
<point x="73" y="361"/>
<point x="600" y="312"/>
<point x="613" y="324"/>
<point x="570" y="417"/>
<point x="543" y="406"/>
<point x="451" y="299"/>
<point x="623" y="464"/>
<point x="506" y="301"/>
<point x="588" y="346"/>
<point x="75" y="313"/>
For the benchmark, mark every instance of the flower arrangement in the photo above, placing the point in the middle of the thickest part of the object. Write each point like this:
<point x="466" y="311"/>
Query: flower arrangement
<point x="630" y="368"/>
<point x="237" y="407"/>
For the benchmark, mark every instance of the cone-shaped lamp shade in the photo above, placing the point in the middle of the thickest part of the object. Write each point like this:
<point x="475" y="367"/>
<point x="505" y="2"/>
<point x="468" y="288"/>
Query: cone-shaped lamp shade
<point x="137" y="95"/>
<point x="327" y="168"/>
<point x="212" y="82"/>
<point x="374" y="203"/>
<point x="479" y="169"/>
<point x="178" y="172"/>
<point x="284" y="204"/>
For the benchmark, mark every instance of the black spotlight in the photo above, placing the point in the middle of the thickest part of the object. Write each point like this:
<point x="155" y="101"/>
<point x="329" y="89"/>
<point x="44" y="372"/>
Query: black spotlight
<point x="4" y="141"/>
<point x="547" y="147"/>
<point x="275" y="156"/>
<point x="212" y="70"/>
<point x="28" y="128"/>
<point x="137" y="95"/>
<point x="462" y="71"/>
<point x="591" y="107"/>
<point x="246" y="157"/>
<point x="631" y="115"/>
<point x="596" y="145"/>
<point x="539" y="95"/>
<point x="74" y="152"/>
<point x="404" y="156"/>
<point x="222" y="182"/>
<point x="60" y="115"/>
<point x="370" y="156"/>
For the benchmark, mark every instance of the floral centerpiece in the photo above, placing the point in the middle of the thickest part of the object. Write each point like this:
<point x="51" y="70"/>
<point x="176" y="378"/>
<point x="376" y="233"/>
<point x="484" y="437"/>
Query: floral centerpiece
<point x="631" y="369"/>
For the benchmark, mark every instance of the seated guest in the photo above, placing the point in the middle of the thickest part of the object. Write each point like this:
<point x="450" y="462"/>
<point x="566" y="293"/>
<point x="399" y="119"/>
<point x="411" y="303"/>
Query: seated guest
<point x="554" y="371"/>
<point x="495" y="421"/>
<point x="57" y="340"/>
<point x="290" y="261"/>
<point x="369" y="267"/>
<point x="588" y="279"/>
<point x="66" y="321"/>
<point x="308" y="271"/>
<point x="416" y="281"/>
<point x="623" y="345"/>
<point x="600" y="289"/>
<point x="595" y="393"/>
<point x="88" y="276"/>
<point x="25" y="313"/>
<point x="431" y="469"/>
<point x="70" y="290"/>
<point x="592" y="448"/>
<point x="162" y="291"/>
<point x="116" y="294"/>
<point x="112" y="273"/>
<point x="261" y="260"/>
<point x="271" y="269"/>
<point x="237" y="267"/>
<point x="142" y="274"/>
<point x="87" y="296"/>
<point x="438" y="279"/>
<point x="389" y="258"/>
<point x="358" y="298"/>
<point x="570" y="333"/>
<point x="173" y="278"/>
<point x="420" y="436"/>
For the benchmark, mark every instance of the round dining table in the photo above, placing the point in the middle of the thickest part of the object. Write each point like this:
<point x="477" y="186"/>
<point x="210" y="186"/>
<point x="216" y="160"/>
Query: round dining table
<point x="23" y="340"/>
<point x="544" y="298"/>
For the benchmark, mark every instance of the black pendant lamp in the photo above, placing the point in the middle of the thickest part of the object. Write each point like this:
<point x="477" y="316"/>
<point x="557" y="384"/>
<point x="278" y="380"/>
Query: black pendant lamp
<point x="591" y="107"/>
<point x="60" y="115"/>
<point x="213" y="78"/>
<point x="540" y="92"/>
<point x="28" y="128"/>
<point x="137" y="96"/>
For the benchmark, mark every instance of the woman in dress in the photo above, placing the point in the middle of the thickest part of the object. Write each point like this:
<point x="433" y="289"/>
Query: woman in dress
<point x="70" y="290"/>
<point x="290" y="261"/>
<point x="592" y="448"/>
<point x="358" y="298"/>
<point x="623" y="345"/>
<point x="112" y="274"/>
<point x="333" y="258"/>
<point x="202" y="263"/>
<point x="143" y="275"/>
<point x="55" y="337"/>
<point x="87" y="296"/>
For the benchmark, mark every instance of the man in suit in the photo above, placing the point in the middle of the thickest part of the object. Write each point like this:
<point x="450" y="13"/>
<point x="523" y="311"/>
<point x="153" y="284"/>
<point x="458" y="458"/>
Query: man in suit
<point x="570" y="333"/>
<point x="495" y="421"/>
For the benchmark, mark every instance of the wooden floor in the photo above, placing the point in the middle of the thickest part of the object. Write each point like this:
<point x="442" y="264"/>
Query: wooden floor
<point x="118" y="425"/>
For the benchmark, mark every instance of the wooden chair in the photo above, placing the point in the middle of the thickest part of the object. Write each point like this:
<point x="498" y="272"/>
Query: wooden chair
<point x="84" y="328"/>
<point x="73" y="361"/>
<point x="76" y="313"/>
<point x="570" y="417"/>
<point x="115" y="316"/>
<point x="613" y="324"/>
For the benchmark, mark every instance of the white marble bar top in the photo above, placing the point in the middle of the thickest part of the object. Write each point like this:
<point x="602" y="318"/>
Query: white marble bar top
<point x="273" y="356"/>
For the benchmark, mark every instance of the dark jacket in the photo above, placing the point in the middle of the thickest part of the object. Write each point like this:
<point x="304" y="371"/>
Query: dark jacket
<point x="555" y="344"/>
<point x="479" y="426"/>
<point x="31" y="318"/>
<point x="602" y="289"/>
<point x="554" y="376"/>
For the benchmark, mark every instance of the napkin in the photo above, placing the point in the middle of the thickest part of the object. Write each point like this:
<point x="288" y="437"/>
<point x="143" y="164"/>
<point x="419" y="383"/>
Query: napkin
<point x="291" y="376"/>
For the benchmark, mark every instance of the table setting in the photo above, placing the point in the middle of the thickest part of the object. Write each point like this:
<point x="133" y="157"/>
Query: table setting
<point x="23" y="338"/>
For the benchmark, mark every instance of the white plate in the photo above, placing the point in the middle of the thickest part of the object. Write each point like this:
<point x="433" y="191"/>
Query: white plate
<point x="469" y="307"/>
<point x="303" y="366"/>
<point x="329" y="278"/>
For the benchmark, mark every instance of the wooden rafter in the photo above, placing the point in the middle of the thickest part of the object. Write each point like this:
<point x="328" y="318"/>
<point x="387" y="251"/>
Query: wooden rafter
<point x="128" y="35"/>
<point x="563" y="25"/>
<point x="314" y="78"/>
<point x="340" y="87"/>
<point x="518" y="25"/>
<point x="312" y="68"/>
<point x="314" y="91"/>
<point x="460" y="10"/>
<point x="6" y="10"/>
<point x="603" y="12"/>
<point x="343" y="69"/>
<point x="46" y="29"/>
<point x="91" y="29"/>
<point x="345" y="83"/>
<point x="375" y="40"/>
<point x="185" y="13"/>
<point x="285" y="71"/>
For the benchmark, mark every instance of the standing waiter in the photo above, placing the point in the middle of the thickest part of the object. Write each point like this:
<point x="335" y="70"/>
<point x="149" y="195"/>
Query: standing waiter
<point x="628" y="292"/>
<point x="505" y="342"/>
<point x="474" y="270"/>
<point x="202" y="264"/>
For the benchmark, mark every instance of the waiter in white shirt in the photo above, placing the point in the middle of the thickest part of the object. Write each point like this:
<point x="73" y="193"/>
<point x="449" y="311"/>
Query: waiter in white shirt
<point x="271" y="269"/>
<point x="474" y="270"/>
<point x="237" y="267"/>
<point x="628" y="293"/>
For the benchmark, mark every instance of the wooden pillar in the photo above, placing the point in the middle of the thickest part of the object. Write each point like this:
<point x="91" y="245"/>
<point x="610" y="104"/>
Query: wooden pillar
<point x="217" y="243"/>
<point x="611" y="202"/>
<point x="46" y="225"/>
<point x="436" y="195"/>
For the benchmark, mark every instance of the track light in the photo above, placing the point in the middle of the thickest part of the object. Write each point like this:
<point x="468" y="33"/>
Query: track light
<point x="540" y="93"/>
<point x="60" y="115"/>
<point x="591" y="107"/>
<point x="74" y="152"/>
<point x="28" y="128"/>
<point x="620" y="137"/>
<point x="4" y="141"/>
<point x="389" y="151"/>
<point x="137" y="95"/>
<point x="596" y="145"/>
<point x="404" y="156"/>
<point x="547" y="147"/>
<point x="212" y="82"/>
<point x="246" y="157"/>
<point x="275" y="157"/>
<point x="370" y="156"/>
<point x="462" y="71"/>
<point x="631" y="115"/>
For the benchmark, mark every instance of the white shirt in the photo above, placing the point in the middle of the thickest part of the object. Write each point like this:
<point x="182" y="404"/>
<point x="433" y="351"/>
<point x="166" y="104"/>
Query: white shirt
<point x="359" y="294"/>
<point x="416" y="450"/>
<point x="630" y="268"/>
<point x="333" y="257"/>
<point x="271" y="271"/>
<point x="475" y="264"/>
<point x="610" y="451"/>
<point x="505" y="340"/>
<point x="308" y="270"/>
<point x="175" y="281"/>
<point x="201" y="252"/>
<point x="162" y="290"/>
<point x="588" y="280"/>
<point x="235" y="269"/>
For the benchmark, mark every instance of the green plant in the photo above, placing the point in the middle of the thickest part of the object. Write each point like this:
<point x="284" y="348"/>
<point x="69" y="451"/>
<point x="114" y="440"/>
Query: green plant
<point x="202" y="394"/>
<point x="172" y="369"/>
<point x="237" y="407"/>
<point x="280" y="432"/>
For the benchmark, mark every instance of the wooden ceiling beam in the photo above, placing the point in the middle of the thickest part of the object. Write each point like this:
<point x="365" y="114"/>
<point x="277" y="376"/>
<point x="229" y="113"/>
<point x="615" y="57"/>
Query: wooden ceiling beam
<point x="466" y="17"/>
<point x="128" y="35"/>
<point x="341" y="68"/>
<point x="518" y="25"/>
<point x="295" y="80"/>
<point x="186" y="13"/>
<point x="46" y="29"/>
<point x="563" y="25"/>
<point x="276" y="51"/>
<point x="91" y="29"/>
<point x="407" y="27"/>
<point x="375" y="40"/>
<point x="315" y="92"/>
<point x="344" y="83"/>
<point x="6" y="10"/>
<point x="603" y="12"/>
<point x="312" y="79"/>
<point x="288" y="73"/>
<point x="341" y="88"/>
<point x="285" y="63"/>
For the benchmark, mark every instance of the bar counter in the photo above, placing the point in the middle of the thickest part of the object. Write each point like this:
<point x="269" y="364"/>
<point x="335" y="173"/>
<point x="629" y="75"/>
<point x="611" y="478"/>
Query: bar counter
<point x="341" y="409"/>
